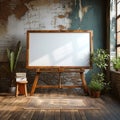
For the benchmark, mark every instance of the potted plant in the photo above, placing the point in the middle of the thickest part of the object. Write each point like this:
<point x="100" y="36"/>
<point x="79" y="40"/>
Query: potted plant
<point x="96" y="85"/>
<point x="116" y="63"/>
<point x="13" y="56"/>
<point x="100" y="59"/>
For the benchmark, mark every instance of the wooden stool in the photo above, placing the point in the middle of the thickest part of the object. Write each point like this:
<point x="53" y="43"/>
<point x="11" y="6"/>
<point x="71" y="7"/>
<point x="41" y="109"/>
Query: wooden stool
<point x="21" y="88"/>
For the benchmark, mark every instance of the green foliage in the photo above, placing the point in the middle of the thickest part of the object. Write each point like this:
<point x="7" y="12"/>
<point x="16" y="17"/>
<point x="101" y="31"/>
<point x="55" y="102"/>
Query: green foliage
<point x="98" y="76"/>
<point x="100" y="58"/>
<point x="96" y="85"/>
<point x="13" y="56"/>
<point x="97" y="82"/>
<point x="116" y="63"/>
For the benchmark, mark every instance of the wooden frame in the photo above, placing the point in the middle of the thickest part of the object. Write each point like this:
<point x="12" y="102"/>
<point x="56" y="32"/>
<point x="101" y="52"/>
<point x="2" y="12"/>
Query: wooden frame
<point x="75" y="61"/>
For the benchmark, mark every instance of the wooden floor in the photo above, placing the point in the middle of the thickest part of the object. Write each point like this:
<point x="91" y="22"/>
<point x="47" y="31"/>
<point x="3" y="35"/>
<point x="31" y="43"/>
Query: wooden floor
<point x="11" y="109"/>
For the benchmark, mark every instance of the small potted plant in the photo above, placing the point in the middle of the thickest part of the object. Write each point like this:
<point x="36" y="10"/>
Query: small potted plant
<point x="96" y="85"/>
<point x="13" y="56"/>
<point x="116" y="63"/>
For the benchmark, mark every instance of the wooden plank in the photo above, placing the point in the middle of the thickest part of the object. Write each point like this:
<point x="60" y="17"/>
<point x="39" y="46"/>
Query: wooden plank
<point x="26" y="115"/>
<point x="57" y="115"/>
<point x="6" y="115"/>
<point x="62" y="115"/>
<point x="35" y="115"/>
<point x="6" y="110"/>
<point x="104" y="110"/>
<point x="113" y="107"/>
<point x="38" y="115"/>
<point x="93" y="115"/>
<point x="13" y="115"/>
<point x="73" y="114"/>
<point x="67" y="115"/>
<point x="49" y="115"/>
<point x="83" y="116"/>
<point x="57" y="86"/>
<point x="70" y="115"/>
<point x="1" y="98"/>
<point x="6" y="102"/>
<point x="77" y="115"/>
<point x="47" y="86"/>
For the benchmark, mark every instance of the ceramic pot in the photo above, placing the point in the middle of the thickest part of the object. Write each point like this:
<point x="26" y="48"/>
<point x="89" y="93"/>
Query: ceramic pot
<point x="12" y="90"/>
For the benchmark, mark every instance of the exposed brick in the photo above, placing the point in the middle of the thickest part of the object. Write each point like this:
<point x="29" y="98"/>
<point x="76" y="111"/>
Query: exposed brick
<point x="45" y="78"/>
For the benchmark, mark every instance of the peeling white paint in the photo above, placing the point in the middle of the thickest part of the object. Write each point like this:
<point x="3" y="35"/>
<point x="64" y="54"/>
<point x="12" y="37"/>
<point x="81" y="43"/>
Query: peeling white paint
<point x="68" y="9"/>
<point x="82" y="10"/>
<point x="41" y="15"/>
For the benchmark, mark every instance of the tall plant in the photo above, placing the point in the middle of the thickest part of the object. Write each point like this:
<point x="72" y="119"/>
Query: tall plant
<point x="13" y="56"/>
<point x="100" y="59"/>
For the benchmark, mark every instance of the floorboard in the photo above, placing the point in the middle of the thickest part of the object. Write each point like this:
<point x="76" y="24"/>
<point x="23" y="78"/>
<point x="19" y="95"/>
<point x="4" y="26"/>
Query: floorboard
<point x="57" y="114"/>
<point x="11" y="108"/>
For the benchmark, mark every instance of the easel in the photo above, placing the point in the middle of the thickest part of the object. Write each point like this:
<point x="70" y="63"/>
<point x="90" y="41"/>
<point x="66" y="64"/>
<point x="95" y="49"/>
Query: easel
<point x="59" y="70"/>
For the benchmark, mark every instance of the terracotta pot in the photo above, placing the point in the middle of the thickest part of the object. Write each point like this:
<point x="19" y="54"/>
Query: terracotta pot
<point x="94" y="94"/>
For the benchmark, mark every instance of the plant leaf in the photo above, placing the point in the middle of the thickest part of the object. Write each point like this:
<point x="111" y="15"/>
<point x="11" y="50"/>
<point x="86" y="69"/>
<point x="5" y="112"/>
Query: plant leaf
<point x="12" y="60"/>
<point x="17" y="56"/>
<point x="8" y="53"/>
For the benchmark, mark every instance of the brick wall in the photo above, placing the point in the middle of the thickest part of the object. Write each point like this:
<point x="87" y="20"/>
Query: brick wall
<point x="115" y="79"/>
<point x="45" y="78"/>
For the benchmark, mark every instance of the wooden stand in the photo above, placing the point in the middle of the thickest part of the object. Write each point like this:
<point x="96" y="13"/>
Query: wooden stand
<point x="60" y="70"/>
<point x="21" y="88"/>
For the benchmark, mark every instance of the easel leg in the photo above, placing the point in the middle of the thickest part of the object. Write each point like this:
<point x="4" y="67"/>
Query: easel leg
<point x="35" y="83"/>
<point x="17" y="92"/>
<point x="59" y="79"/>
<point x="83" y="82"/>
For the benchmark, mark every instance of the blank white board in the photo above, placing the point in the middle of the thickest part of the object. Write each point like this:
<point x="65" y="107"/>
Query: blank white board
<point x="59" y="49"/>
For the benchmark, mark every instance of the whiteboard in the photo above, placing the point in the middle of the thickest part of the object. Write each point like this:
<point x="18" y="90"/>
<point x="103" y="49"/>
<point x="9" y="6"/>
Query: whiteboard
<point x="59" y="49"/>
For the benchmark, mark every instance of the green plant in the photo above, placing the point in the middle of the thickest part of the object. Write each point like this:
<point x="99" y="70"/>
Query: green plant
<point x="97" y="82"/>
<point x="95" y="85"/>
<point x="13" y="56"/>
<point x="100" y="59"/>
<point x="116" y="63"/>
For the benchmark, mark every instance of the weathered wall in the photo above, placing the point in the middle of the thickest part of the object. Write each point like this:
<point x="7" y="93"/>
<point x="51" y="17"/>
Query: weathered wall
<point x="115" y="79"/>
<point x="16" y="17"/>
